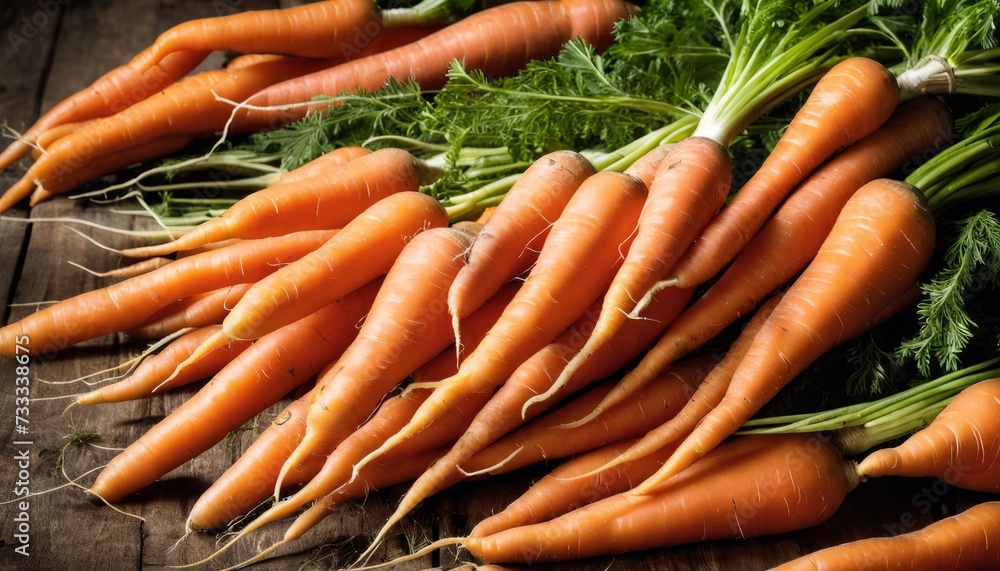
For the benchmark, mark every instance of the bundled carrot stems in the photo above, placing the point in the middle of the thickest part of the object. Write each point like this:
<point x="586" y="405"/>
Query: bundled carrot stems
<point x="619" y="245"/>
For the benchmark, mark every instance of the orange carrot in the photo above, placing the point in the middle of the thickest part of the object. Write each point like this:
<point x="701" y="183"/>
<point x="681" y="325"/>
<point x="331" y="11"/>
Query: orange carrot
<point x="314" y="203"/>
<point x="881" y="242"/>
<point x="129" y="303"/>
<point x="750" y="487"/>
<point x="583" y="249"/>
<point x="406" y="327"/>
<point x="852" y="100"/>
<point x="52" y="135"/>
<point x="961" y="446"/>
<point x="644" y="168"/>
<point x="138" y="268"/>
<point x="324" y="164"/>
<point x="786" y="244"/>
<point x="286" y="359"/>
<point x="515" y="232"/>
<point x="689" y="186"/>
<point x="498" y="41"/>
<point x="962" y="542"/>
<point x="198" y="310"/>
<point x="150" y="375"/>
<point x="316" y="30"/>
<point x="577" y="482"/>
<point x="113" y="92"/>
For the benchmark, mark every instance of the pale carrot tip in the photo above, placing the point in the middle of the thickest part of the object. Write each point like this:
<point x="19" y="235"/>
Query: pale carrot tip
<point x="38" y="196"/>
<point x="216" y="341"/>
<point x="150" y="251"/>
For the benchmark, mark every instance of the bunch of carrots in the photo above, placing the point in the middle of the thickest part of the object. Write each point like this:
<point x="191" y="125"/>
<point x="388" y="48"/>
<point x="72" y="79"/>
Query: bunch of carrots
<point x="412" y="345"/>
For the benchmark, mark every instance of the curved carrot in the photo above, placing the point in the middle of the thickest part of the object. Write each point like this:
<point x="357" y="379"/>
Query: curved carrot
<point x="113" y="92"/>
<point x="962" y="542"/>
<point x="328" y="29"/>
<point x="690" y="185"/>
<point x="579" y="481"/>
<point x="526" y="31"/>
<point x="517" y="228"/>
<point x="184" y="109"/>
<point x="750" y="487"/>
<point x="150" y="375"/>
<point x="316" y="202"/>
<point x="129" y="303"/>
<point x="255" y="380"/>
<point x="850" y="101"/>
<point x="881" y="242"/>
<point x="583" y="249"/>
<point x="324" y="164"/>
<point x="406" y="327"/>
<point x="786" y="244"/>
<point x="199" y="310"/>
<point x="961" y="446"/>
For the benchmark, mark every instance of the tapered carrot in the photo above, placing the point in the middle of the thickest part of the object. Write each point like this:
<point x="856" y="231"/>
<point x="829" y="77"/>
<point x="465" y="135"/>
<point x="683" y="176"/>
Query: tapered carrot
<point x="750" y="487"/>
<point x="129" y="303"/>
<point x="961" y="446"/>
<point x="852" y="100"/>
<point x="407" y="326"/>
<point x="584" y="247"/>
<point x="324" y="164"/>
<point x="317" y="30"/>
<point x="135" y="269"/>
<point x="962" y="542"/>
<point x="498" y="41"/>
<point x="644" y="168"/>
<point x="150" y="375"/>
<point x="313" y="203"/>
<point x="184" y="109"/>
<point x="881" y="242"/>
<point x="690" y="185"/>
<point x="514" y="234"/>
<point x="198" y="310"/>
<point x="786" y="244"/>
<point x="113" y="92"/>
<point x="258" y="378"/>
<point x="579" y="481"/>
<point x="326" y="474"/>
<point x="52" y="135"/>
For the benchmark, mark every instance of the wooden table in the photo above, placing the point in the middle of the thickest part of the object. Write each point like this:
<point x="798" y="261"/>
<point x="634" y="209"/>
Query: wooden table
<point x="52" y="48"/>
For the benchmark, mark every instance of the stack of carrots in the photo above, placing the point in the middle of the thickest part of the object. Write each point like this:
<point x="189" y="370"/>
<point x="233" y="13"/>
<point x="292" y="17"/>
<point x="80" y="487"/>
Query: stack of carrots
<point x="420" y="348"/>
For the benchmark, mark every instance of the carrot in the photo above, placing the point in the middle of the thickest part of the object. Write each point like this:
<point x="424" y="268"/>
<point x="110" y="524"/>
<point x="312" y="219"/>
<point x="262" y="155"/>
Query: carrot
<point x="150" y="375"/>
<point x="46" y="138"/>
<point x="515" y="232"/>
<point x="324" y="164"/>
<point x="129" y="303"/>
<point x="137" y="268"/>
<point x="965" y="541"/>
<point x="111" y="93"/>
<point x="325" y="474"/>
<point x="961" y="446"/>
<point x="317" y="30"/>
<point x="751" y="487"/>
<point x="786" y="244"/>
<point x="579" y="481"/>
<point x="198" y="310"/>
<point x="689" y="186"/>
<point x="499" y="416"/>
<point x="583" y="248"/>
<point x="286" y="359"/>
<point x="362" y="251"/>
<point x="852" y="100"/>
<point x="187" y="108"/>
<point x="406" y="327"/>
<point x="498" y="41"/>
<point x="314" y="203"/>
<point x="881" y="242"/>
